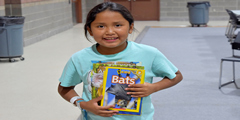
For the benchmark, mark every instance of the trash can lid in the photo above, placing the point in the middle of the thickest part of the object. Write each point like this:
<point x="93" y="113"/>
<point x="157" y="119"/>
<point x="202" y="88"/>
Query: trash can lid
<point x="196" y="3"/>
<point x="9" y="20"/>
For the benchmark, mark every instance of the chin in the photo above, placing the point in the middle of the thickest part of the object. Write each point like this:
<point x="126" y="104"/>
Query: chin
<point x="111" y="45"/>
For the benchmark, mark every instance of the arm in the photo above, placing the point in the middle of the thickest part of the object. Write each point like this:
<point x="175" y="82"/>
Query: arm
<point x="143" y="90"/>
<point x="68" y="92"/>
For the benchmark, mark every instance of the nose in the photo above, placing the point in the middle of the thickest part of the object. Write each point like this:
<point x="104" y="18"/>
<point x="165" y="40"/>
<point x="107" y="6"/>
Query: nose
<point x="110" y="30"/>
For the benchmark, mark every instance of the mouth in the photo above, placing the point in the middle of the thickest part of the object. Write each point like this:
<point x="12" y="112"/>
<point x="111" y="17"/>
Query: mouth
<point x="111" y="38"/>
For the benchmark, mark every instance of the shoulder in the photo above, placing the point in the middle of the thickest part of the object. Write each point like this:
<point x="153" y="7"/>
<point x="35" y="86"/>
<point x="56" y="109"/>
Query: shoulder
<point x="84" y="52"/>
<point x="143" y="47"/>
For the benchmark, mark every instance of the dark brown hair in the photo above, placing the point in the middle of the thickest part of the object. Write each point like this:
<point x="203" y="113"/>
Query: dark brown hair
<point x="107" y="6"/>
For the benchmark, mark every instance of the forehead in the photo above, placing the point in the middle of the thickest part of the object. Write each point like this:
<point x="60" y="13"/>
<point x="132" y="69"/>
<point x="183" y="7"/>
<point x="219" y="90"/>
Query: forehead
<point x="109" y="16"/>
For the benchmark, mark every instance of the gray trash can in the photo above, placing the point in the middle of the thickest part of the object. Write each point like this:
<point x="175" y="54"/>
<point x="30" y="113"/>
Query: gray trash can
<point x="198" y="13"/>
<point x="11" y="37"/>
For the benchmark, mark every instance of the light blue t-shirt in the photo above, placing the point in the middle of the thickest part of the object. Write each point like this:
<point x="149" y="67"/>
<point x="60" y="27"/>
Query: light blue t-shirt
<point x="155" y="64"/>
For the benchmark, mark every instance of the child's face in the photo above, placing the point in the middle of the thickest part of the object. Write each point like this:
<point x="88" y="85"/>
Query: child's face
<point x="110" y="29"/>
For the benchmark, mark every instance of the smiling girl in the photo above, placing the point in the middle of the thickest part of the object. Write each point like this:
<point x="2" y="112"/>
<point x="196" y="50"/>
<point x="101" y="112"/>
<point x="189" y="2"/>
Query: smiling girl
<point x="110" y="24"/>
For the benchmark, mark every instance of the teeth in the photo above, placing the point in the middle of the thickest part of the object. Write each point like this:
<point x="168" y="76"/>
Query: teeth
<point x="110" y="38"/>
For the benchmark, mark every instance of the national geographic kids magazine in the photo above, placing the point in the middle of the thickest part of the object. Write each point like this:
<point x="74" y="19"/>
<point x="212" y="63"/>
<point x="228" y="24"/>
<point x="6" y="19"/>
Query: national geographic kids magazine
<point x="115" y="80"/>
<point x="96" y="75"/>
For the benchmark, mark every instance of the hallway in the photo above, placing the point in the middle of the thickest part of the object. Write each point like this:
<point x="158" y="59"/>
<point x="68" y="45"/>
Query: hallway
<point x="29" y="87"/>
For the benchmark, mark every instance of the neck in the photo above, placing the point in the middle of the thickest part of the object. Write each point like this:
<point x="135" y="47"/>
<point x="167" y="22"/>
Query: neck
<point x="109" y="51"/>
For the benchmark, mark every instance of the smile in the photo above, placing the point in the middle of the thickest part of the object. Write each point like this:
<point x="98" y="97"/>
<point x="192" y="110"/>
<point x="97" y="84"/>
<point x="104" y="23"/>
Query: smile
<point x="112" y="38"/>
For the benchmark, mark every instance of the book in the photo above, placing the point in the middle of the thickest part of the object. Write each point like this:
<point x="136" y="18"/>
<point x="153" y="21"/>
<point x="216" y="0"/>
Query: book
<point x="98" y="68"/>
<point x="115" y="80"/>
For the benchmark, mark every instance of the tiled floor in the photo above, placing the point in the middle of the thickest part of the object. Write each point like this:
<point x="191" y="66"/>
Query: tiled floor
<point x="29" y="87"/>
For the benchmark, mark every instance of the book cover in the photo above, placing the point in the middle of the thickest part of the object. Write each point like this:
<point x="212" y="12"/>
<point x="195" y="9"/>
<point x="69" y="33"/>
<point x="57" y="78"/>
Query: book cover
<point x="115" y="80"/>
<point x="98" y="68"/>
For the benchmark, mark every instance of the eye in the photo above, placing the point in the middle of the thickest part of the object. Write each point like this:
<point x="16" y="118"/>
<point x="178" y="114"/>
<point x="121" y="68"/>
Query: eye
<point x="118" y="25"/>
<point x="100" y="26"/>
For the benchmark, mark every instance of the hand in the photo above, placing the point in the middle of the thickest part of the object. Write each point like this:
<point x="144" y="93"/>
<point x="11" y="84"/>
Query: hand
<point x="140" y="90"/>
<point x="93" y="107"/>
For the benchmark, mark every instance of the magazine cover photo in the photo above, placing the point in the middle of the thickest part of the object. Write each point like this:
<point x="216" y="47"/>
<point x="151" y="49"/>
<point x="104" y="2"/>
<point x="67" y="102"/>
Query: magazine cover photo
<point x="115" y="80"/>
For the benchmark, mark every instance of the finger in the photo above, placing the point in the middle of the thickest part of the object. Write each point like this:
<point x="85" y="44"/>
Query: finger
<point x="137" y="96"/>
<point x="135" y="85"/>
<point x="107" y="112"/>
<point x="135" y="93"/>
<point x="106" y="107"/>
<point x="135" y="89"/>
<point x="107" y="115"/>
<point x="98" y="98"/>
<point x="140" y="94"/>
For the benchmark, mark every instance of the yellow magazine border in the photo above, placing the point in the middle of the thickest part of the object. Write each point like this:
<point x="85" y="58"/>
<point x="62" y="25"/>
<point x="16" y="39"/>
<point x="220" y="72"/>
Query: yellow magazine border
<point x="104" y="87"/>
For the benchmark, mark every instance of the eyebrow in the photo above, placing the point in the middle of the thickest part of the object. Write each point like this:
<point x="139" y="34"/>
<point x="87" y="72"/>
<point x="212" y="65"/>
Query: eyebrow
<point x="113" y="22"/>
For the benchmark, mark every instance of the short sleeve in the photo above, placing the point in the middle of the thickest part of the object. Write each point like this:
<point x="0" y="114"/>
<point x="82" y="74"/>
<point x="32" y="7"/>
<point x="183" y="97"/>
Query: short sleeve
<point x="70" y="76"/>
<point x="162" y="67"/>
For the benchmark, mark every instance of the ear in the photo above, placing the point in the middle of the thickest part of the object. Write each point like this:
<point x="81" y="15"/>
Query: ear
<point x="89" y="31"/>
<point x="131" y="28"/>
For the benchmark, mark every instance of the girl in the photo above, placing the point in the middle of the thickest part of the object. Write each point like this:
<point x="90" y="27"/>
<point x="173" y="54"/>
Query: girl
<point x="109" y="24"/>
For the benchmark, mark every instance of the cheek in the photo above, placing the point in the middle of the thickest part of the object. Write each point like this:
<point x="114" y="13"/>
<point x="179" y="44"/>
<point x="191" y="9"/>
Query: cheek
<point x="125" y="35"/>
<point x="124" y="32"/>
<point x="97" y="34"/>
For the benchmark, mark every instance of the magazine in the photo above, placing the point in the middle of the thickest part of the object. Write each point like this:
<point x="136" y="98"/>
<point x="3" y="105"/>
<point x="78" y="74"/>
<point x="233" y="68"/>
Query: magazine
<point x="115" y="80"/>
<point x="98" y="68"/>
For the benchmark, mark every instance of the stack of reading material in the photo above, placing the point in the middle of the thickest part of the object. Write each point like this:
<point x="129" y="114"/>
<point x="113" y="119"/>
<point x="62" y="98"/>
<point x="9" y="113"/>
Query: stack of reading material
<point x="110" y="80"/>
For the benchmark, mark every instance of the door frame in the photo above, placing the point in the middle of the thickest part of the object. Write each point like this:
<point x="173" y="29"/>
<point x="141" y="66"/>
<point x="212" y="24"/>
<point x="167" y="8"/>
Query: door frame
<point x="158" y="9"/>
